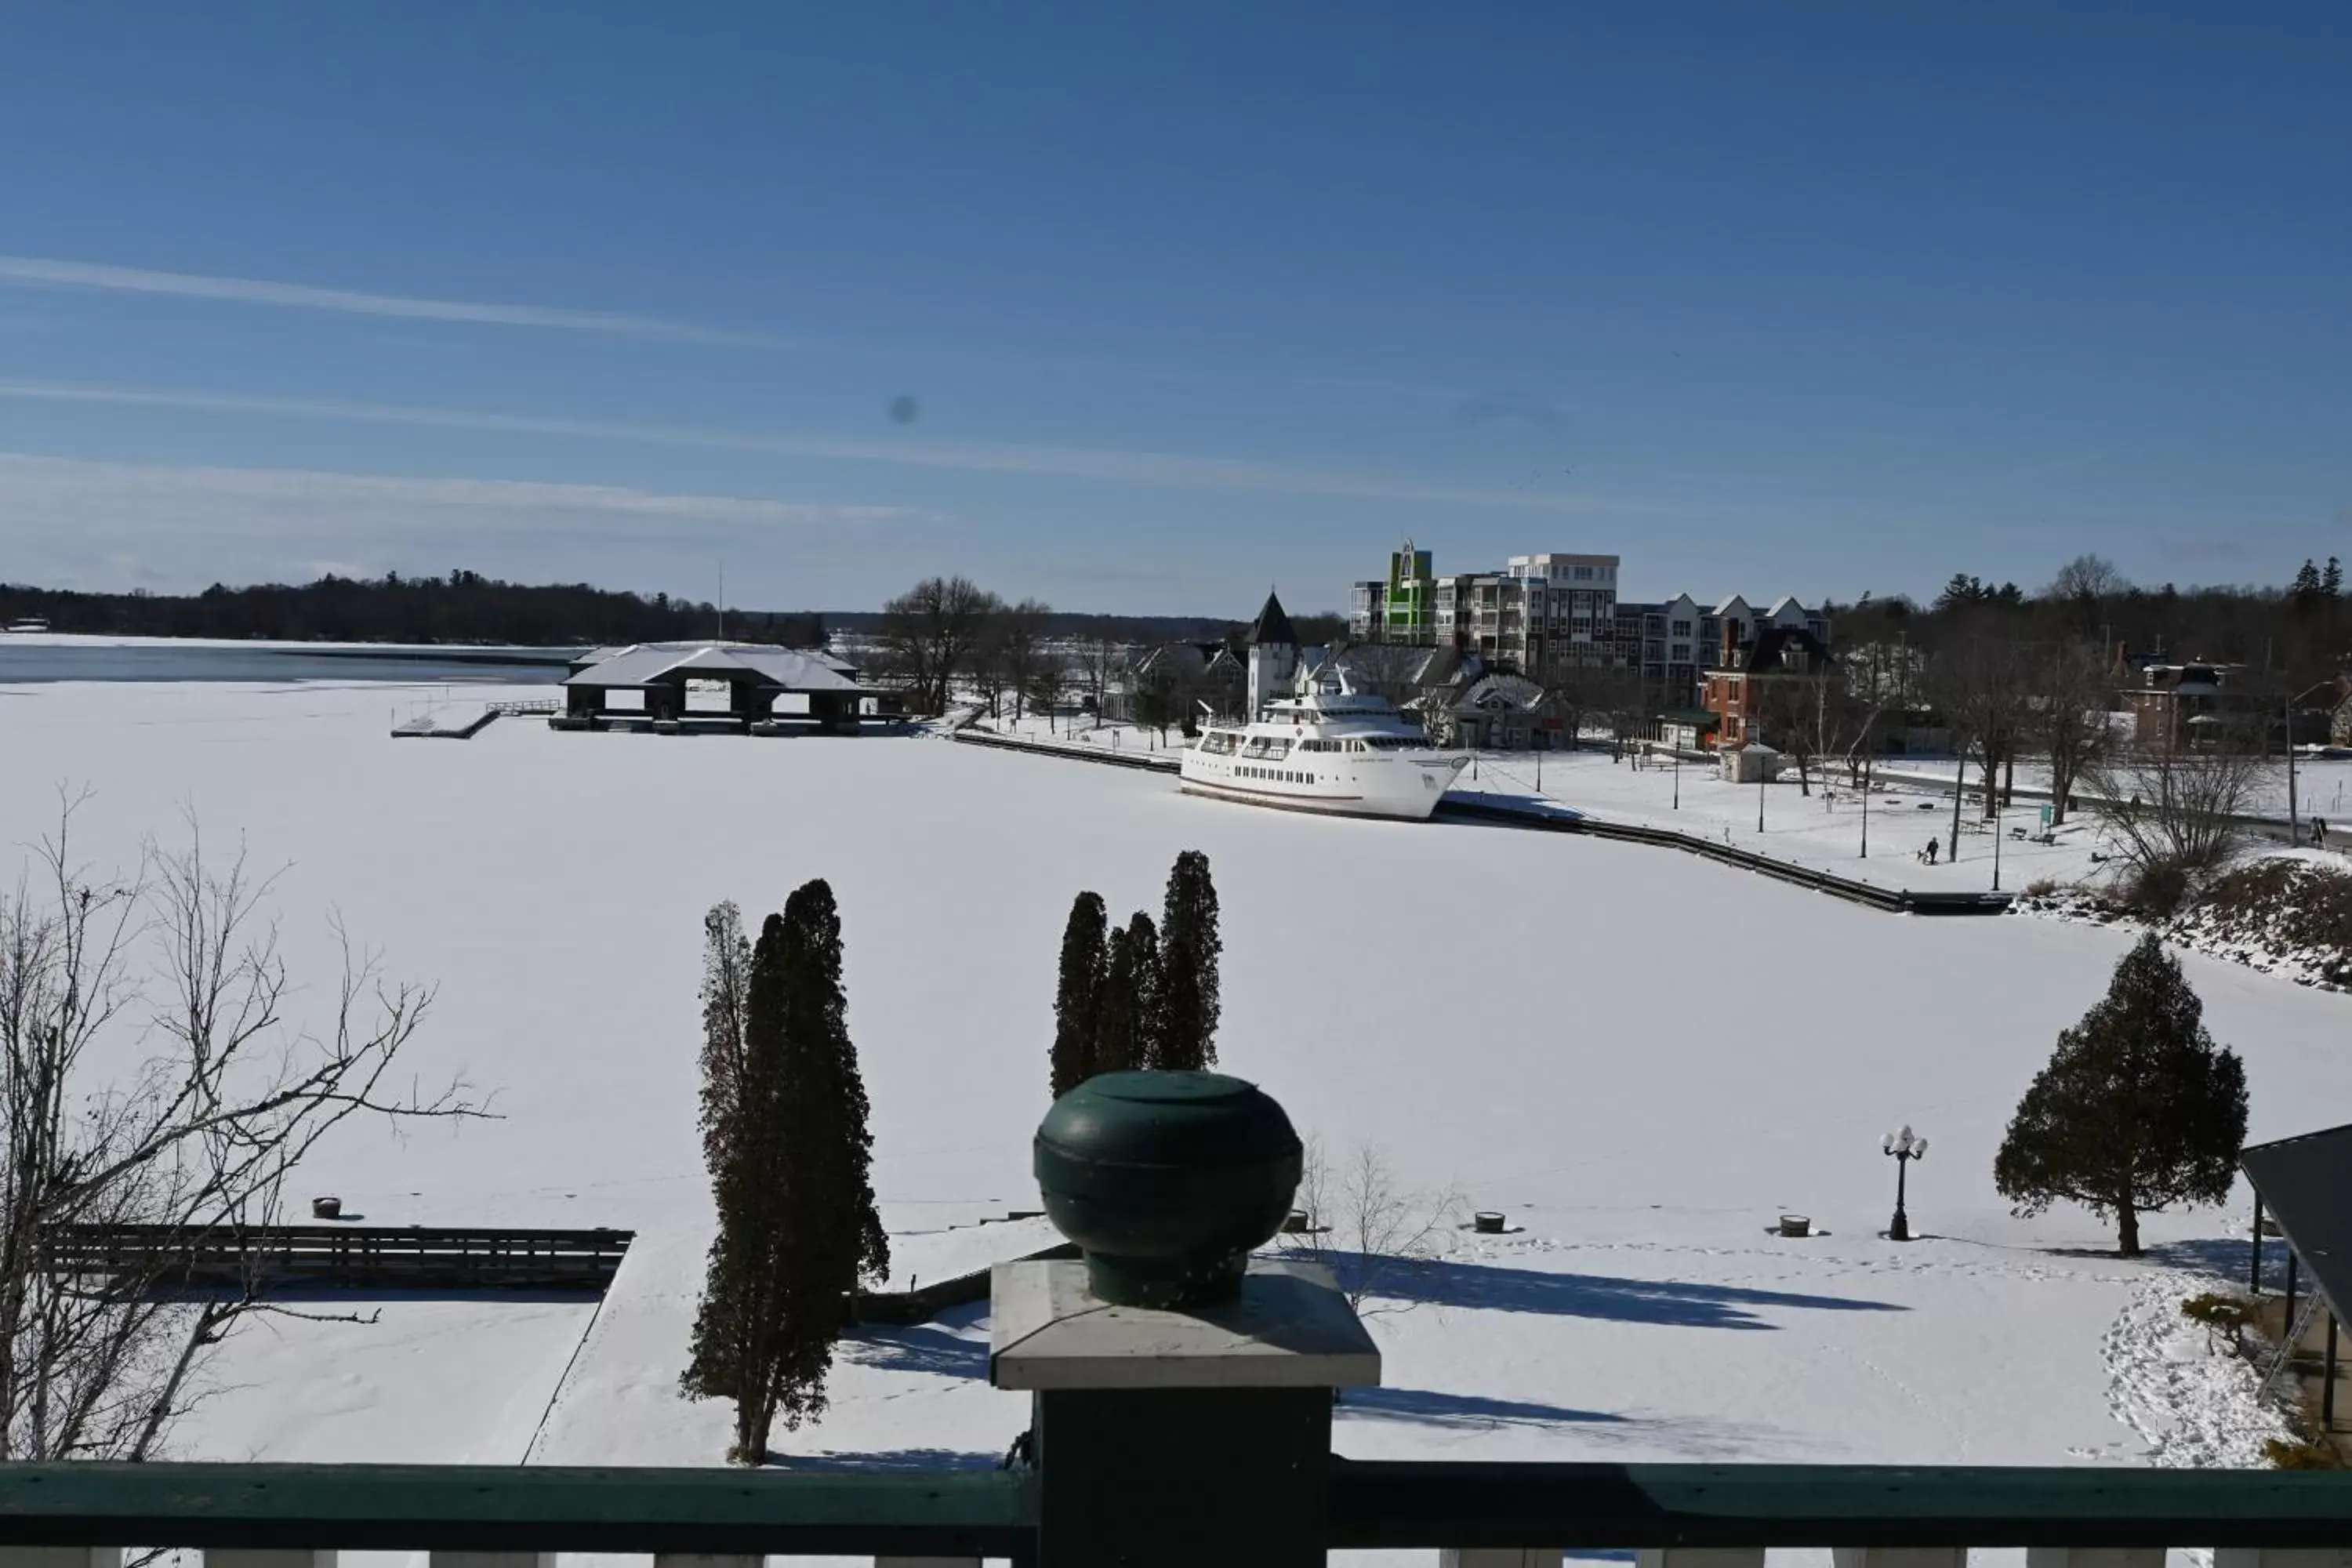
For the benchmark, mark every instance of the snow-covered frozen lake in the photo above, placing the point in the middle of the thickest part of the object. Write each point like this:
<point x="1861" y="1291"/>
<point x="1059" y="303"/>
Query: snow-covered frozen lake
<point x="1641" y="1058"/>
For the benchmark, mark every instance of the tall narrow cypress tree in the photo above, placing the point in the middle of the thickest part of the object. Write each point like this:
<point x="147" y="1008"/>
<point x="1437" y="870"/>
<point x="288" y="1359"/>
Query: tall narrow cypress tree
<point x="797" y="1223"/>
<point x="1147" y="984"/>
<point x="1077" y="1001"/>
<point x="740" y="1337"/>
<point x="837" y="1233"/>
<point x="1126" y="1021"/>
<point x="1190" y="946"/>
<point x="719" y="1320"/>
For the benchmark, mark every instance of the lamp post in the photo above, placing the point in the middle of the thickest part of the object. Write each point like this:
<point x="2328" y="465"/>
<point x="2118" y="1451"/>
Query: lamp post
<point x="1865" y="807"/>
<point x="1903" y="1148"/>
<point x="2294" y="827"/>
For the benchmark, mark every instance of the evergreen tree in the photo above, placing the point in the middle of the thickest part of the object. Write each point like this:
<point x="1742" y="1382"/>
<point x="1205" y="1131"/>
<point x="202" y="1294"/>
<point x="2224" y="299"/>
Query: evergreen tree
<point x="2307" y="585"/>
<point x="1128" y="1022"/>
<point x="819" y="1024"/>
<point x="1961" y="589"/>
<point x="789" y="1154"/>
<point x="1077" y="1001"/>
<point x="1186" y="1037"/>
<point x="2138" y="1108"/>
<point x="726" y="978"/>
<point x="2331" y="578"/>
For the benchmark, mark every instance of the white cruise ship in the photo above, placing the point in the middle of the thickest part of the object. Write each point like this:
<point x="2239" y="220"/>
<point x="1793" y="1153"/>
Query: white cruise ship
<point x="1332" y="751"/>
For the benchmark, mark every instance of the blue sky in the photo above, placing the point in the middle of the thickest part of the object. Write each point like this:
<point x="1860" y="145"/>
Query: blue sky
<point x="1188" y="299"/>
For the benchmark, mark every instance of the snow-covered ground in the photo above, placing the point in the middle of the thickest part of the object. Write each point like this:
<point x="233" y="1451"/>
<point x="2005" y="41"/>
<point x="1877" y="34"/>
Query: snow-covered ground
<point x="2323" y="784"/>
<point x="1639" y="1057"/>
<point x="1822" y="831"/>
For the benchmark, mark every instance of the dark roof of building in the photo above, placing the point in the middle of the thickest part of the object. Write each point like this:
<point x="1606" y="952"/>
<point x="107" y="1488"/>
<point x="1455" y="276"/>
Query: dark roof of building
<point x="1272" y="627"/>
<point x="1769" y="654"/>
<point x="2304" y="1182"/>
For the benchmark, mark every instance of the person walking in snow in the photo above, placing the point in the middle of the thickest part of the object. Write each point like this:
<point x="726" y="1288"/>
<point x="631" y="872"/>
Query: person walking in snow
<point x="1933" y="846"/>
<point x="2319" y="831"/>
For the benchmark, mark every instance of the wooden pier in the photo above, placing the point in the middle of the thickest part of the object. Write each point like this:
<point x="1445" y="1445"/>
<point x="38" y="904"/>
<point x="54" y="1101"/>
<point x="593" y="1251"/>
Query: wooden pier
<point x="340" y="1255"/>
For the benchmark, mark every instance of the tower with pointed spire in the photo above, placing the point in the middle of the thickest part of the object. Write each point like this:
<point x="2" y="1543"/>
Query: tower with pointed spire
<point x="1273" y="656"/>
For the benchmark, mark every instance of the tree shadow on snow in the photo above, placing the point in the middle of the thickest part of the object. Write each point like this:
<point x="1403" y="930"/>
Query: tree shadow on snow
<point x="893" y="1460"/>
<point x="1688" y="1437"/>
<point x="1669" y="1302"/>
<point x="919" y="1347"/>
<point x="2224" y="1255"/>
<point x="1429" y="1407"/>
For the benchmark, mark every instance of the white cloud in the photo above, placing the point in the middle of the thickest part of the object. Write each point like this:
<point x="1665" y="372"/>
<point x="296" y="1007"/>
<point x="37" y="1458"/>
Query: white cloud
<point x="1159" y="470"/>
<point x="33" y="270"/>
<point x="67" y="520"/>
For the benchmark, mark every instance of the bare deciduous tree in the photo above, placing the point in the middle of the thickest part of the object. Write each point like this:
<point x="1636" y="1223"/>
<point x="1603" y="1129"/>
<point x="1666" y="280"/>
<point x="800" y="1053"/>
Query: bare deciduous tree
<point x="1982" y="681"/>
<point x="1101" y="655"/>
<point x="198" y="1139"/>
<point x="1388" y="670"/>
<point x="992" y="676"/>
<point x="2175" y="811"/>
<point x="1363" y="1223"/>
<point x="2084" y="592"/>
<point x="2092" y="577"/>
<point x="1020" y="630"/>
<point x="1810" y="717"/>
<point x="2069" y="718"/>
<point x="1049" y="683"/>
<point x="929" y="634"/>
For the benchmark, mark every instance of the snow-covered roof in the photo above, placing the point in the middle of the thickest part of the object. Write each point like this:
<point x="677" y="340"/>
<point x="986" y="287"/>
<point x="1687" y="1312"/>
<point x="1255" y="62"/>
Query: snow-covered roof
<point x="825" y="656"/>
<point x="646" y="662"/>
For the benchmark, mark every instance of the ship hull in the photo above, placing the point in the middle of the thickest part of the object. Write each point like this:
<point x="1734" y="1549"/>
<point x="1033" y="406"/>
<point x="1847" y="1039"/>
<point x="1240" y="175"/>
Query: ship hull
<point x="1391" y="799"/>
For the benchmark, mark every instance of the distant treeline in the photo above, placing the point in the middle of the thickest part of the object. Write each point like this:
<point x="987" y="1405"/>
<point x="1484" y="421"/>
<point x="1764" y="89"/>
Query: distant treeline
<point x="467" y="607"/>
<point x="1073" y="624"/>
<point x="463" y="607"/>
<point x="2301" y="632"/>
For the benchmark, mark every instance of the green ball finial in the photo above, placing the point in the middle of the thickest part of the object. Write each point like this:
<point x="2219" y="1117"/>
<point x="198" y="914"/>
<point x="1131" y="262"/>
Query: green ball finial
<point x="1166" y="1180"/>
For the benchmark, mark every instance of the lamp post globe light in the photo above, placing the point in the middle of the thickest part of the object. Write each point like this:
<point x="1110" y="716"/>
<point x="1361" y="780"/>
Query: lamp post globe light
<point x="1901" y="1146"/>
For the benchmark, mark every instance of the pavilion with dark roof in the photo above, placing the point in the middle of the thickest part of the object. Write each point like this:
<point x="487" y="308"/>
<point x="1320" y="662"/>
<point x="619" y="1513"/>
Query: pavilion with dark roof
<point x="769" y="690"/>
<point x="2303" y="1184"/>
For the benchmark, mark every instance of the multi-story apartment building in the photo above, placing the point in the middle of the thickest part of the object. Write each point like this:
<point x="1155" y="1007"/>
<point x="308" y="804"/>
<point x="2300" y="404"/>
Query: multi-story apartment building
<point x="1674" y="644"/>
<point x="1538" y="612"/>
<point x="1397" y="610"/>
<point x="1550" y="613"/>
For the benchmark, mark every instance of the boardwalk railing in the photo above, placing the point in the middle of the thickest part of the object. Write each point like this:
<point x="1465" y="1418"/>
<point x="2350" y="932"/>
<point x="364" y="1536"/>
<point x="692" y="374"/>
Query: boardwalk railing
<point x="1162" y="761"/>
<point x="409" y="1256"/>
<point x="1895" y="900"/>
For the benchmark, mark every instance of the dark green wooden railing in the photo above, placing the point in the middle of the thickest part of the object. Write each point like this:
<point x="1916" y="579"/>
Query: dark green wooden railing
<point x="1384" y="1504"/>
<point x="459" y="1508"/>
<point x="992" y="1514"/>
